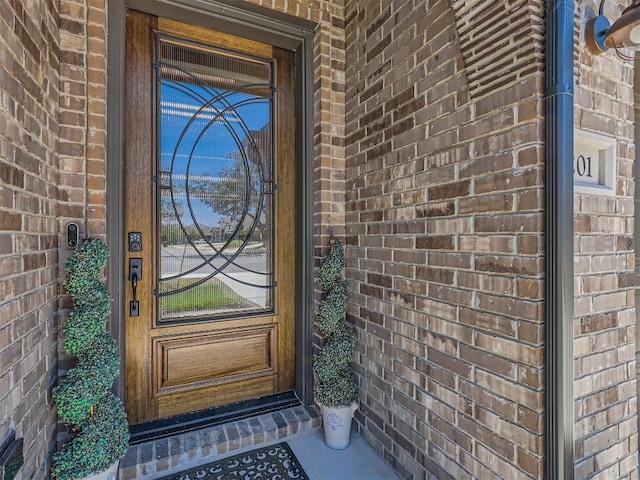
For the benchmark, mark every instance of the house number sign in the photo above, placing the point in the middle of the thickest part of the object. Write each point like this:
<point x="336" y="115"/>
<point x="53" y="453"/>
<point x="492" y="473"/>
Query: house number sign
<point x="594" y="163"/>
<point x="584" y="170"/>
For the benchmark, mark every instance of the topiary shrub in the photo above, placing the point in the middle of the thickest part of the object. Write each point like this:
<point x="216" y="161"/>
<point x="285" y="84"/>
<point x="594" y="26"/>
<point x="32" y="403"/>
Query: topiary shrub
<point x="335" y="382"/>
<point x="333" y="307"/>
<point x="98" y="444"/>
<point x="84" y="400"/>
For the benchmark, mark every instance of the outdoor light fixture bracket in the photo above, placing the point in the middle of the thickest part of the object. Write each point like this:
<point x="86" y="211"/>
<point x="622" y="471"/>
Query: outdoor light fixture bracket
<point x="624" y="33"/>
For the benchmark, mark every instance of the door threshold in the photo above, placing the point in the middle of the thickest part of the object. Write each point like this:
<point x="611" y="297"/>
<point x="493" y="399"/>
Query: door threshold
<point x="160" y="457"/>
<point x="175" y="425"/>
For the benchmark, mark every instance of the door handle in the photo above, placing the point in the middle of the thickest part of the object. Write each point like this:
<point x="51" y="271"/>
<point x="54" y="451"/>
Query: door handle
<point x="134" y="285"/>
<point x="135" y="274"/>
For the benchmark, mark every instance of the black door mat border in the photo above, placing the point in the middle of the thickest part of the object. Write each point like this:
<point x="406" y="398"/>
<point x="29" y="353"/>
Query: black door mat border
<point x="275" y="462"/>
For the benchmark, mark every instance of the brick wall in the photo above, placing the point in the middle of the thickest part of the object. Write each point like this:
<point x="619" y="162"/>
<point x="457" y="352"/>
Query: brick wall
<point x="431" y="155"/>
<point x="82" y="134"/>
<point x="82" y="138"/>
<point x="329" y="109"/>
<point x="83" y="29"/>
<point x="605" y="320"/>
<point x="444" y="222"/>
<point x="29" y="55"/>
<point x="445" y="229"/>
<point x="329" y="120"/>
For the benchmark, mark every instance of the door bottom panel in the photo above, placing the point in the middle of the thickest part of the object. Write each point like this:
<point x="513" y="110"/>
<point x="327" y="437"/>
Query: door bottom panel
<point x="185" y="363"/>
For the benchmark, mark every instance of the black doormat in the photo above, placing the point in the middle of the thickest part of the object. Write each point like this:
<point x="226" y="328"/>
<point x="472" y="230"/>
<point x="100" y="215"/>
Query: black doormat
<point x="276" y="462"/>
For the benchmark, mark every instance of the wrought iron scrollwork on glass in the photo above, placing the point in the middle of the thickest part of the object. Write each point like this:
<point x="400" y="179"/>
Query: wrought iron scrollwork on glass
<point x="215" y="181"/>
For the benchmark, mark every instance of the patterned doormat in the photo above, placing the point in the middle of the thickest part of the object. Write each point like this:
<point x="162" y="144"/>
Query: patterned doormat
<point x="276" y="462"/>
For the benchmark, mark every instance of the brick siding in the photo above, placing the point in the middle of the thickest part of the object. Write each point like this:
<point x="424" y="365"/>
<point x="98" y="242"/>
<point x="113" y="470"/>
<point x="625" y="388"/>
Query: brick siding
<point x="493" y="62"/>
<point x="28" y="224"/>
<point x="428" y="160"/>
<point x="83" y="28"/>
<point x="605" y="318"/>
<point x="329" y="110"/>
<point x="82" y="136"/>
<point x="444" y="226"/>
<point x="329" y="120"/>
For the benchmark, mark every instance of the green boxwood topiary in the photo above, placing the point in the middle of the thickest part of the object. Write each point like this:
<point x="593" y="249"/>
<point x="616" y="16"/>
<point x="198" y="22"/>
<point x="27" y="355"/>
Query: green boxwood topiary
<point x="335" y="385"/>
<point x="83" y="397"/>
<point x="338" y="391"/>
<point x="331" y="269"/>
<point x="84" y="266"/>
<point x="89" y="381"/>
<point x="335" y="356"/>
<point x="331" y="310"/>
<point x="83" y="325"/>
<point x="93" y="293"/>
<point x="103" y="438"/>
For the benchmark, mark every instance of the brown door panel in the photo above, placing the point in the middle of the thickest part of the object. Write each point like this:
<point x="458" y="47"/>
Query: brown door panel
<point x="190" y="362"/>
<point x="180" y="357"/>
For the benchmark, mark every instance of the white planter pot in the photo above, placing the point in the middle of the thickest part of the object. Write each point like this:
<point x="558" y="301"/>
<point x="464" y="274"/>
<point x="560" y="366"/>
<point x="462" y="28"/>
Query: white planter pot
<point x="110" y="473"/>
<point x="336" y="422"/>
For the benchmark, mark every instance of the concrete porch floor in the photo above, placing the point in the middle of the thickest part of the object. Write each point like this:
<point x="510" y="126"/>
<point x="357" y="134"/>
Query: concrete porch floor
<point x="356" y="462"/>
<point x="299" y="426"/>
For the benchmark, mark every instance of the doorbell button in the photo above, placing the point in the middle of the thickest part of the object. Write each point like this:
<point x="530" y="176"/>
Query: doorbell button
<point x="73" y="235"/>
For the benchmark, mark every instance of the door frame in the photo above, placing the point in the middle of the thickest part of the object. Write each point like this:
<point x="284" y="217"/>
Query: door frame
<point x="256" y="23"/>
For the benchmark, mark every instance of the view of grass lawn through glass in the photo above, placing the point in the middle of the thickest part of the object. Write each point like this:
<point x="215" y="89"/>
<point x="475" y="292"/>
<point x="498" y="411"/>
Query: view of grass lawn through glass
<point x="213" y="295"/>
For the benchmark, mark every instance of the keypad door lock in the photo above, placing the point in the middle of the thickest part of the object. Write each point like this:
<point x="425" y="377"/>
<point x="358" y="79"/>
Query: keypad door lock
<point x="135" y="241"/>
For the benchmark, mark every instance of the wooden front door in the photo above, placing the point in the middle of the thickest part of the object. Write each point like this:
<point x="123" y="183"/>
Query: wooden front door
<point x="209" y="218"/>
